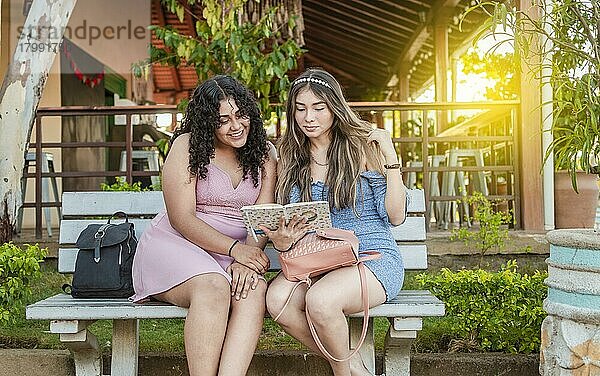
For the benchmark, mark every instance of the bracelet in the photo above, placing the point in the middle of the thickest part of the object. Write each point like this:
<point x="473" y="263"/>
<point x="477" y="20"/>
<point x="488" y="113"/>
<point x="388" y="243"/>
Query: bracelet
<point x="290" y="247"/>
<point x="394" y="166"/>
<point x="231" y="247"/>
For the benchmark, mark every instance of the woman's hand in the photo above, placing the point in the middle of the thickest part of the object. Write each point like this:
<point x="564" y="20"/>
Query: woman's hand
<point x="250" y="256"/>
<point x="242" y="280"/>
<point x="287" y="233"/>
<point x="384" y="140"/>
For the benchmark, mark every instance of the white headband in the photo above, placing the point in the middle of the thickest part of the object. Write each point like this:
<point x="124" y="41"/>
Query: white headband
<point x="315" y="80"/>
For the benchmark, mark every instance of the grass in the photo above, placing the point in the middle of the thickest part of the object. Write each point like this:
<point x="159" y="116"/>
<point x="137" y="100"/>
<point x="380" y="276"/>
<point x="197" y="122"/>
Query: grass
<point x="164" y="335"/>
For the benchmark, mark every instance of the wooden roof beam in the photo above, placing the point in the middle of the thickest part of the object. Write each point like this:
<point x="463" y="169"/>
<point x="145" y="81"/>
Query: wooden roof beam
<point x="421" y="34"/>
<point x="356" y="67"/>
<point x="334" y="70"/>
<point x="353" y="10"/>
<point x="387" y="13"/>
<point x="353" y="34"/>
<point x="365" y="50"/>
<point x="398" y="5"/>
<point x="343" y="23"/>
<point x="349" y="56"/>
<point x="356" y="20"/>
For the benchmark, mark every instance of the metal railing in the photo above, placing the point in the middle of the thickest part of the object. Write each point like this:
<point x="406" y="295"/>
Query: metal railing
<point x="413" y="127"/>
<point x="494" y="130"/>
<point x="128" y="145"/>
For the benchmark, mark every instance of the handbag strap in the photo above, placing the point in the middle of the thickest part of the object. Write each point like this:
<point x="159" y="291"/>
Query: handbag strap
<point x="364" y="292"/>
<point x="369" y="255"/>
<point x="308" y="283"/>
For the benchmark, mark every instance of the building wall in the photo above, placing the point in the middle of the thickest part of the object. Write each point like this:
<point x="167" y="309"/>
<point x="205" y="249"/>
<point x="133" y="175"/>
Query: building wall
<point x="112" y="31"/>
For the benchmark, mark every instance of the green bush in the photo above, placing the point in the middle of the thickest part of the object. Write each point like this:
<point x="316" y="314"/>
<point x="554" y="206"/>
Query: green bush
<point x="122" y="185"/>
<point x="486" y="311"/>
<point x="18" y="268"/>
<point x="492" y="230"/>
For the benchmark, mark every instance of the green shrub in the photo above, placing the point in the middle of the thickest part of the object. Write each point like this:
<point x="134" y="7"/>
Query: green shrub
<point x="492" y="231"/>
<point x="18" y="268"/>
<point x="122" y="185"/>
<point x="486" y="311"/>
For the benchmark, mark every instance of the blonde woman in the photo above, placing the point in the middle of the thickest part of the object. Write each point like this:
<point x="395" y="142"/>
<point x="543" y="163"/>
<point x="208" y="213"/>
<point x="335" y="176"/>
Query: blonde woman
<point x="328" y="153"/>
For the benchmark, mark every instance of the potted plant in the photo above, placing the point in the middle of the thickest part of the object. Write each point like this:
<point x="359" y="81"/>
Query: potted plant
<point x="573" y="30"/>
<point x="563" y="45"/>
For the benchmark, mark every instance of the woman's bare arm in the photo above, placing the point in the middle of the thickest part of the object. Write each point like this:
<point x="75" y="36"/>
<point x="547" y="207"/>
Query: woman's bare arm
<point x="179" y="190"/>
<point x="267" y="190"/>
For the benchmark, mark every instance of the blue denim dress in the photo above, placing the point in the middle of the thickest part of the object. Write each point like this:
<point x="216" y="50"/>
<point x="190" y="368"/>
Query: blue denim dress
<point x="371" y="226"/>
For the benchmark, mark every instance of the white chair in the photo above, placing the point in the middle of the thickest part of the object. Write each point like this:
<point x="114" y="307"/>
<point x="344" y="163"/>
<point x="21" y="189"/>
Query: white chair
<point x="411" y="180"/>
<point x="47" y="166"/>
<point x="454" y="184"/>
<point x="436" y="210"/>
<point x="148" y="157"/>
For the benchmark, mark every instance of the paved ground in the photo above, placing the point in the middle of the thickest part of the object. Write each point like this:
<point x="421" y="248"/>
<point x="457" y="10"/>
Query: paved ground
<point x="276" y="363"/>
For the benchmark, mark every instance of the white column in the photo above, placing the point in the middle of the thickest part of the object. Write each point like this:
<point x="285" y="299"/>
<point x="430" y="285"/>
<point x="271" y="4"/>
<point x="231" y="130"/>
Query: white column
<point x="547" y="119"/>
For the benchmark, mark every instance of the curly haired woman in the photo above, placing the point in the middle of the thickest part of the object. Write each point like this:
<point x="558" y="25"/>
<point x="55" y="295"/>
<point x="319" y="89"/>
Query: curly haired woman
<point x="197" y="254"/>
<point x="328" y="153"/>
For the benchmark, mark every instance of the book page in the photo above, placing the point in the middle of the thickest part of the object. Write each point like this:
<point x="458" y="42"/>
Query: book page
<point x="268" y="215"/>
<point x="263" y="214"/>
<point x="316" y="212"/>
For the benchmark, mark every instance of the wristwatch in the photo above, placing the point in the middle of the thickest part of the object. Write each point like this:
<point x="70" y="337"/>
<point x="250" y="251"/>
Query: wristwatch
<point x="394" y="166"/>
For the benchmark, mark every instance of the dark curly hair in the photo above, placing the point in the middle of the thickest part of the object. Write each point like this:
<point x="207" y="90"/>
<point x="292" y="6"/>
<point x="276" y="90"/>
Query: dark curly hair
<point x="202" y="118"/>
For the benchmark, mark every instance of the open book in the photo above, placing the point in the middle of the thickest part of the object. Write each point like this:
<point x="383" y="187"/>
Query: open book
<point x="268" y="215"/>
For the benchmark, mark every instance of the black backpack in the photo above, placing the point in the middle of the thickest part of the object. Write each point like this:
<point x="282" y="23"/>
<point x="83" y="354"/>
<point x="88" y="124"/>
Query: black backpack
<point x="104" y="261"/>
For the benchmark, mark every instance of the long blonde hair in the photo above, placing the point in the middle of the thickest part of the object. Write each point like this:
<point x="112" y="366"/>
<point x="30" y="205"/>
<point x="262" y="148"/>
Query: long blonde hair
<point x="347" y="155"/>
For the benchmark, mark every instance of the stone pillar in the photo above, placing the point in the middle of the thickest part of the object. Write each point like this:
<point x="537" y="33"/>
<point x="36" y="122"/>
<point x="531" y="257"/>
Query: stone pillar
<point x="571" y="332"/>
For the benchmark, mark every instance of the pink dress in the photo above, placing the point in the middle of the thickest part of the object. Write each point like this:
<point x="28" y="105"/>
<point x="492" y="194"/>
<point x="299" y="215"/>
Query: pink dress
<point x="165" y="259"/>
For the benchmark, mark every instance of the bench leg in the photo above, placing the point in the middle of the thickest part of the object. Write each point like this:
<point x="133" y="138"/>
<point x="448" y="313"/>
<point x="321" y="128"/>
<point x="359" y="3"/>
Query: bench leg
<point x="86" y="352"/>
<point x="397" y="352"/>
<point x="124" y="361"/>
<point x="367" y="350"/>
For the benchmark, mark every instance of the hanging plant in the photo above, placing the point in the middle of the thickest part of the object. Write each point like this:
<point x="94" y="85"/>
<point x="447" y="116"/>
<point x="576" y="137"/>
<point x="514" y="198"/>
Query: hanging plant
<point x="255" y="53"/>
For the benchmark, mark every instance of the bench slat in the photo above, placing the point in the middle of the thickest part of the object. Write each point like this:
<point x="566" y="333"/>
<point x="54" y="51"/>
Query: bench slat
<point x="413" y="229"/>
<point x="106" y="203"/>
<point x="409" y="303"/>
<point x="414" y="256"/>
<point x="416" y="202"/>
<point x="70" y="228"/>
<point x="151" y="202"/>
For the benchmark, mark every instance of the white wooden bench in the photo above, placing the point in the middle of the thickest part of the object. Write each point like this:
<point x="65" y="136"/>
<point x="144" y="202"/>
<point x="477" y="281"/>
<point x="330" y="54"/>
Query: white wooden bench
<point x="70" y="317"/>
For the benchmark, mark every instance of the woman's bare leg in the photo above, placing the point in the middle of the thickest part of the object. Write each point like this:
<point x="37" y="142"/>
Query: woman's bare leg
<point x="329" y="300"/>
<point x="243" y="330"/>
<point x="207" y="298"/>
<point x="293" y="319"/>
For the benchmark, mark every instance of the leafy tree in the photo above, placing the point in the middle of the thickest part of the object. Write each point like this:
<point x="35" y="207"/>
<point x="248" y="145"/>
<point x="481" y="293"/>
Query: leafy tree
<point x="254" y="53"/>
<point x="500" y="68"/>
<point x="559" y="40"/>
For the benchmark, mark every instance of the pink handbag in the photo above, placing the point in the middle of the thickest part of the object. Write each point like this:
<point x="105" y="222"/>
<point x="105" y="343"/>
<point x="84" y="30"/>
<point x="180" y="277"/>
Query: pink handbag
<point x="318" y="253"/>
